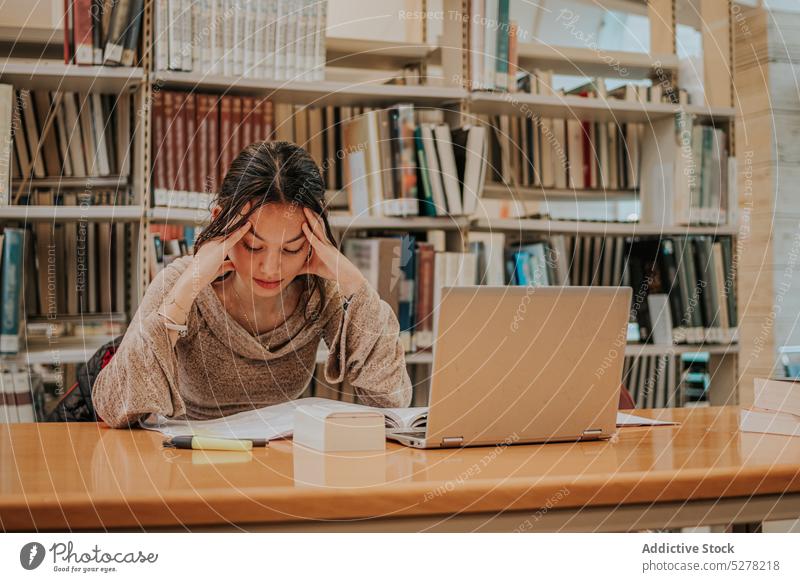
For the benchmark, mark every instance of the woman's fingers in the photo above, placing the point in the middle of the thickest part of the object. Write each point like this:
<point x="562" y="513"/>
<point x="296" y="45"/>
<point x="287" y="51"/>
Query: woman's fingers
<point x="312" y="238"/>
<point x="224" y="268"/>
<point x="315" y="222"/>
<point x="236" y="236"/>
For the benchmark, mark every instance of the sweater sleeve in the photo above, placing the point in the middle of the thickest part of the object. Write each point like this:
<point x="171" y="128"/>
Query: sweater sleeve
<point x="364" y="345"/>
<point x="141" y="378"/>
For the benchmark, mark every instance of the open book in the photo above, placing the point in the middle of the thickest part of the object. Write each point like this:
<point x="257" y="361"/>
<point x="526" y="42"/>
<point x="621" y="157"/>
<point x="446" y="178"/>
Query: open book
<point x="277" y="421"/>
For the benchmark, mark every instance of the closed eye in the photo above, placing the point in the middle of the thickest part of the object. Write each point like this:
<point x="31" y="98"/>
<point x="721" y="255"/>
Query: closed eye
<point x="294" y="251"/>
<point x="251" y="249"/>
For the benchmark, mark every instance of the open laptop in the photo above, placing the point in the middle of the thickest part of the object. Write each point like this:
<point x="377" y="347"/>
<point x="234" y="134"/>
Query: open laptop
<point x="524" y="365"/>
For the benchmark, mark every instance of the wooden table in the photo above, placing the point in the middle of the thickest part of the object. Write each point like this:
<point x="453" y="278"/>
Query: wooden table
<point x="87" y="476"/>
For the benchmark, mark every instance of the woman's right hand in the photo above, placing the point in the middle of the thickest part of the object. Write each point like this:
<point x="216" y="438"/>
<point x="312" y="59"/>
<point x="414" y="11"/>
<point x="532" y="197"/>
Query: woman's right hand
<point x="211" y="259"/>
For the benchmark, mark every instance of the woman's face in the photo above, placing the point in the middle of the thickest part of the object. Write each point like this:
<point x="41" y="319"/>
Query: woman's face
<point x="274" y="250"/>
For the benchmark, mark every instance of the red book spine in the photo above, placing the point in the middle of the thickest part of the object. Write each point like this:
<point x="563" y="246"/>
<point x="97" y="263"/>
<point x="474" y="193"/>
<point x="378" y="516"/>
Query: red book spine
<point x="255" y="121"/>
<point x="425" y="266"/>
<point x="179" y="126"/>
<point x="236" y="126"/>
<point x="201" y="149"/>
<point x="212" y="131"/>
<point x="169" y="141"/>
<point x="588" y="154"/>
<point x="158" y="153"/>
<point x="67" y="29"/>
<point x="248" y="104"/>
<point x="267" y="120"/>
<point x="82" y="19"/>
<point x="192" y="182"/>
<point x="225" y="135"/>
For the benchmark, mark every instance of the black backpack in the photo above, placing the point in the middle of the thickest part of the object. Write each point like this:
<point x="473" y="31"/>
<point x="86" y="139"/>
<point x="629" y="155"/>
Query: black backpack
<point x="76" y="404"/>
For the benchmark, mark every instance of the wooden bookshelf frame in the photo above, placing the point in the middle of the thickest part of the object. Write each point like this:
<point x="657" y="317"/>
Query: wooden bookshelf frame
<point x="461" y="105"/>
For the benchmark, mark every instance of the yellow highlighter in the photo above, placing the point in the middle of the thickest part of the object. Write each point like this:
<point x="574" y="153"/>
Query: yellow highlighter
<point x="213" y="443"/>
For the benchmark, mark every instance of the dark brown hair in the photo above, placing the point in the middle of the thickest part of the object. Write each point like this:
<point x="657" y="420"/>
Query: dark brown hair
<point x="269" y="172"/>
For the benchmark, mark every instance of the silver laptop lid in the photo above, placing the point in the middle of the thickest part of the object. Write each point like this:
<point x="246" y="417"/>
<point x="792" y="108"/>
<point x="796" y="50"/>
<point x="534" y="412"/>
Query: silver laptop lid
<point x="527" y="364"/>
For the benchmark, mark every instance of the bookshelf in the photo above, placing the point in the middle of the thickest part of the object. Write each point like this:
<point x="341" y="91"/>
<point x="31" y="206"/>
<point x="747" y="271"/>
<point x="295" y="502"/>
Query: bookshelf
<point x="447" y="91"/>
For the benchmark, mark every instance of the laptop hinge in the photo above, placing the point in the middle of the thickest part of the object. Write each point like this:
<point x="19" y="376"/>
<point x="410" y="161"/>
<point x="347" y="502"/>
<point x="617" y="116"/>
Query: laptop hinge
<point x="449" y="441"/>
<point x="591" y="433"/>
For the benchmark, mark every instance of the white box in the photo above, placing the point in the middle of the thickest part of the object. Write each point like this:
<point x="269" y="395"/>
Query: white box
<point x="335" y="429"/>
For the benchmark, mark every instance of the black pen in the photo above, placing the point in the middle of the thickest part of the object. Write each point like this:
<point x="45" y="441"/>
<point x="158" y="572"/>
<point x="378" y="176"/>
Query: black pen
<point x="213" y="443"/>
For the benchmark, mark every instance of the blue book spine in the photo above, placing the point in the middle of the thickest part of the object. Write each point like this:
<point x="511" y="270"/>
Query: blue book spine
<point x="501" y="60"/>
<point x="405" y="307"/>
<point x="426" y="208"/>
<point x="11" y="289"/>
<point x="521" y="259"/>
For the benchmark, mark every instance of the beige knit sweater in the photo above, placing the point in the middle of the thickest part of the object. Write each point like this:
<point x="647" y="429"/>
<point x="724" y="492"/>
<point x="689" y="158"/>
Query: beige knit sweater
<point x="220" y="368"/>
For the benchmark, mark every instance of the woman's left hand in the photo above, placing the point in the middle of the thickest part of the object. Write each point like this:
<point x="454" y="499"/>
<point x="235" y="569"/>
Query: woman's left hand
<point x="325" y="259"/>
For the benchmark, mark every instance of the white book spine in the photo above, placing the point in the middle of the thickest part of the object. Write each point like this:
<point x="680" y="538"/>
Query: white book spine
<point x="250" y="61"/>
<point x="173" y="34"/>
<point x="218" y="41"/>
<point x="290" y="46"/>
<point x="161" y="26"/>
<point x="6" y="139"/>
<point x="228" y="38"/>
<point x="279" y="48"/>
<point x="319" y="41"/>
<point x="185" y="24"/>
<point x="258" y="40"/>
<point x="270" y="36"/>
<point x="309" y="40"/>
<point x="197" y="38"/>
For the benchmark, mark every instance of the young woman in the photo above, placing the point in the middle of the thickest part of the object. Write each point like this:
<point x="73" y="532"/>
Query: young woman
<point x="236" y="326"/>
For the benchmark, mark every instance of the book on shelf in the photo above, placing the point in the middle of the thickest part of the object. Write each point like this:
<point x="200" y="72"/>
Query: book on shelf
<point x="265" y="39"/>
<point x="532" y="151"/>
<point x="652" y="380"/>
<point x="74" y="267"/>
<point x="11" y="288"/>
<point x="89" y="134"/>
<point x="16" y="397"/>
<point x="683" y="286"/>
<point x="408" y="274"/>
<point x="196" y="136"/>
<point x="775" y="408"/>
<point x="102" y="32"/>
<point x="689" y="178"/>
<point x="402" y="162"/>
<point x="169" y="242"/>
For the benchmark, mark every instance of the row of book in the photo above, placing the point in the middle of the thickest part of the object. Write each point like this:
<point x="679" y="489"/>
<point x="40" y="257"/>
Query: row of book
<point x="102" y="32"/>
<point x="395" y="161"/>
<point x="493" y="45"/>
<point x="259" y="39"/>
<point x="89" y="134"/>
<point x="684" y="288"/>
<point x="689" y="176"/>
<point x="78" y="267"/>
<point x="196" y="136"/>
<point x="531" y="151"/>
<point x="399" y="164"/>
<point x="16" y="397"/>
<point x="653" y="381"/>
